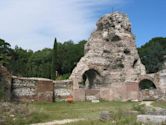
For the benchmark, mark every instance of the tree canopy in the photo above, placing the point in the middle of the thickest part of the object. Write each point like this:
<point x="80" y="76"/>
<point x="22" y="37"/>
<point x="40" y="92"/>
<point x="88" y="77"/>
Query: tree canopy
<point x="28" y="63"/>
<point x="152" y="54"/>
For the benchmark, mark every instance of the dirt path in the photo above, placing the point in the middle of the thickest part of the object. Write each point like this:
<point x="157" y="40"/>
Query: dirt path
<point x="59" y="122"/>
<point x="147" y="103"/>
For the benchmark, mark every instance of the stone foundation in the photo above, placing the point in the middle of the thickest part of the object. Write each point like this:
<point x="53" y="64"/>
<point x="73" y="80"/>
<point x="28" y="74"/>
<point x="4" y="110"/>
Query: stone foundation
<point x="122" y="93"/>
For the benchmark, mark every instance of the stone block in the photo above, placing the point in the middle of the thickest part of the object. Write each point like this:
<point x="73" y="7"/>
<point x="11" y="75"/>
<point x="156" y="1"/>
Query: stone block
<point x="79" y="94"/>
<point x="45" y="91"/>
<point x="152" y="119"/>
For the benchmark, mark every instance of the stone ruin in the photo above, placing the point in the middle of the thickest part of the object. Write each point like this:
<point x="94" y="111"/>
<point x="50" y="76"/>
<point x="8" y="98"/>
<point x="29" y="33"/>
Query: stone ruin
<point x="111" y="56"/>
<point x="111" y="69"/>
<point x="5" y="83"/>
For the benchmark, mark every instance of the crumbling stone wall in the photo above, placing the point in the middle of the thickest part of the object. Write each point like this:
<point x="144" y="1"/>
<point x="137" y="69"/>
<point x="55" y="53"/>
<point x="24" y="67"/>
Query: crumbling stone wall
<point x="32" y="89"/>
<point x="5" y="83"/>
<point x="111" y="68"/>
<point x="39" y="89"/>
<point x="111" y="53"/>
<point x="62" y="89"/>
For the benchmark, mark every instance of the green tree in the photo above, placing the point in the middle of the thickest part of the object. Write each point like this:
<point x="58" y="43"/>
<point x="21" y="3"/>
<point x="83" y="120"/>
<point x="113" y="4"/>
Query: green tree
<point x="18" y="64"/>
<point x="152" y="54"/>
<point x="39" y="63"/>
<point x="54" y="60"/>
<point x="44" y="63"/>
<point x="69" y="53"/>
<point x="5" y="52"/>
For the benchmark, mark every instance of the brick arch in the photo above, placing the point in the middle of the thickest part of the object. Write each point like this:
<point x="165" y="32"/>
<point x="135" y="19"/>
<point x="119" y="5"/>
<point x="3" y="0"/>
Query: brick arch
<point x="92" y="76"/>
<point x="147" y="77"/>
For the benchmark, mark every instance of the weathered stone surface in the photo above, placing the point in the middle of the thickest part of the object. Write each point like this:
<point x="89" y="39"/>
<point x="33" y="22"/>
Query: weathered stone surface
<point x="79" y="94"/>
<point x="162" y="81"/>
<point x="111" y="57"/>
<point x="24" y="87"/>
<point x="105" y="116"/>
<point x="156" y="111"/>
<point x="5" y="83"/>
<point x="32" y="89"/>
<point x="152" y="119"/>
<point x="62" y="89"/>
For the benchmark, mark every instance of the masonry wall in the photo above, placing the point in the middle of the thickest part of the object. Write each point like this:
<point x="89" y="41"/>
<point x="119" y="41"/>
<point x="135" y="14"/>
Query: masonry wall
<point x="39" y="89"/>
<point x="123" y="92"/>
<point x="62" y="89"/>
<point x="32" y="89"/>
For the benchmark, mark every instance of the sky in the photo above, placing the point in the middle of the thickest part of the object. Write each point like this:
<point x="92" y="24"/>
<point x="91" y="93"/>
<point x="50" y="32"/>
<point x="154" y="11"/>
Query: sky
<point x="33" y="24"/>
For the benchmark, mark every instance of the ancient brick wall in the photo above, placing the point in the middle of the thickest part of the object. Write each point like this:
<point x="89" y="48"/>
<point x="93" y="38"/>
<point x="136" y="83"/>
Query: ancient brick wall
<point x="32" y="89"/>
<point x="62" y="89"/>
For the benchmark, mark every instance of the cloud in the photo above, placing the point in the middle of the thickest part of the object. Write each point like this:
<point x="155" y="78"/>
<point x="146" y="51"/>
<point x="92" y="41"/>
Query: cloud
<point x="33" y="24"/>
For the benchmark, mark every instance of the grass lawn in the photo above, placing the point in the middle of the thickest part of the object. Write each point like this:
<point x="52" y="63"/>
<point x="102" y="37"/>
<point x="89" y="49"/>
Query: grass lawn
<point x="160" y="104"/>
<point x="88" y="111"/>
<point x="123" y="113"/>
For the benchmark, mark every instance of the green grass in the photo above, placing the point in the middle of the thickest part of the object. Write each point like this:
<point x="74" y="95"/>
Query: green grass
<point x="87" y="110"/>
<point x="161" y="104"/>
<point x="44" y="112"/>
<point x="90" y="112"/>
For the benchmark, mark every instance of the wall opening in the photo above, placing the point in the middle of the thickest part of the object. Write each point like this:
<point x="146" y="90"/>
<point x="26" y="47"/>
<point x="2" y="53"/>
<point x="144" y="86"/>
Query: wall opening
<point x="146" y="84"/>
<point x="91" y="79"/>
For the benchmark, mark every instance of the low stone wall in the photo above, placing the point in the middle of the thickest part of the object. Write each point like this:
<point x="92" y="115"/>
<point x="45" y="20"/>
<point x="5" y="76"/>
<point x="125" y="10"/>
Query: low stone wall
<point x="123" y="92"/>
<point x="62" y="89"/>
<point x="40" y="89"/>
<point x="32" y="89"/>
<point x="153" y="94"/>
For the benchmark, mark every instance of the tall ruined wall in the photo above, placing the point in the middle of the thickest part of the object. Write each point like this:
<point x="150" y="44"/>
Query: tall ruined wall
<point x="110" y="52"/>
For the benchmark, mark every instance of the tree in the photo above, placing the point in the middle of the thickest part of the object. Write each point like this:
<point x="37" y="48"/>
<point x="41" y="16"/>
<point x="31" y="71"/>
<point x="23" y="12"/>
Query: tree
<point x="54" y="60"/>
<point x="5" y="52"/>
<point x="44" y="63"/>
<point x="152" y="54"/>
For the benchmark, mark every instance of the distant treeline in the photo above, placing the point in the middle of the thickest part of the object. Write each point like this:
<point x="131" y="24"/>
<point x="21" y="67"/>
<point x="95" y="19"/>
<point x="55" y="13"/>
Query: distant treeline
<point x="28" y="63"/>
<point x="153" y="54"/>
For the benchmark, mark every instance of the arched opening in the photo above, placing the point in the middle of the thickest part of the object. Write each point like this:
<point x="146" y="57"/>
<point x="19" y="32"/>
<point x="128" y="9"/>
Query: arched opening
<point x="146" y="84"/>
<point x="91" y="79"/>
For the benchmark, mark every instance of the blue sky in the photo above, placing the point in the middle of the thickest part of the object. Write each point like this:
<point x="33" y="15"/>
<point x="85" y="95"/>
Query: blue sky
<point x="33" y="24"/>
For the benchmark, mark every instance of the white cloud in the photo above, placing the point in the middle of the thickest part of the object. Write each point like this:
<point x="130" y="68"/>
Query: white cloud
<point x="33" y="24"/>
